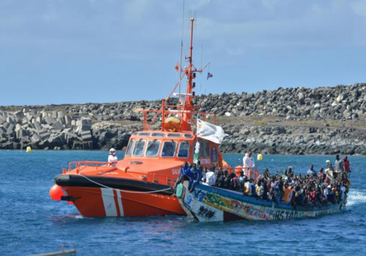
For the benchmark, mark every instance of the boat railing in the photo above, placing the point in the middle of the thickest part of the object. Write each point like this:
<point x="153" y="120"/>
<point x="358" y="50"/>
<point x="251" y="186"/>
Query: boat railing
<point x="80" y="165"/>
<point x="165" y="113"/>
<point x="252" y="173"/>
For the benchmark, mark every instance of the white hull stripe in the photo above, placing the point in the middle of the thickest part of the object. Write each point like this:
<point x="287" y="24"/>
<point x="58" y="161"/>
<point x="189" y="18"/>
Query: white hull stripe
<point x="119" y="200"/>
<point x="108" y="201"/>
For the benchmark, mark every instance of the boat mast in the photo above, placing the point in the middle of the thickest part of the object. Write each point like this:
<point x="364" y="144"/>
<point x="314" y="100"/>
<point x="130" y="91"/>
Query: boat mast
<point x="185" y="108"/>
<point x="190" y="73"/>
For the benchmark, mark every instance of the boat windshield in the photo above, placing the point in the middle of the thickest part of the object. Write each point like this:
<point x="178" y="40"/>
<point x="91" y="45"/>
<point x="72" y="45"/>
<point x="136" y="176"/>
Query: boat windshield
<point x="139" y="148"/>
<point x="183" y="151"/>
<point x="153" y="147"/>
<point x="129" y="148"/>
<point x="169" y="149"/>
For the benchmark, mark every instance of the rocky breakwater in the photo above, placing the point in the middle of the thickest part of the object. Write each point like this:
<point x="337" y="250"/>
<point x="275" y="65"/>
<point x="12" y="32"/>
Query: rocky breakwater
<point x="324" y="120"/>
<point x="286" y="138"/>
<point x="62" y="129"/>
<point x="72" y="126"/>
<point x="338" y="103"/>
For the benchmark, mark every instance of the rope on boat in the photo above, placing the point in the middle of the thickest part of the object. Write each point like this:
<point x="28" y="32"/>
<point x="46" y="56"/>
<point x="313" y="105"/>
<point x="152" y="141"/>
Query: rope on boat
<point x="126" y="191"/>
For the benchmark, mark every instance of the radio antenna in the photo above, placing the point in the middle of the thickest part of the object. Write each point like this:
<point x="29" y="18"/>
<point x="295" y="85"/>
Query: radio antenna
<point x="195" y="18"/>
<point x="181" y="46"/>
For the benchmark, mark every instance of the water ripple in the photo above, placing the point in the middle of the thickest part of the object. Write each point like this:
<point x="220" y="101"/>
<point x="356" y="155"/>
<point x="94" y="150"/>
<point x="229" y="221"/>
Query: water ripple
<point x="31" y="223"/>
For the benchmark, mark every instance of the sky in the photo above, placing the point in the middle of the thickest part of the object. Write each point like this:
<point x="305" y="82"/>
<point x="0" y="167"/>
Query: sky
<point x="80" y="51"/>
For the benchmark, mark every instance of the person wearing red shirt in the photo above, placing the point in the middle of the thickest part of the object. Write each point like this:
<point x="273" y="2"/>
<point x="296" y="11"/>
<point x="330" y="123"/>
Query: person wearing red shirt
<point x="346" y="166"/>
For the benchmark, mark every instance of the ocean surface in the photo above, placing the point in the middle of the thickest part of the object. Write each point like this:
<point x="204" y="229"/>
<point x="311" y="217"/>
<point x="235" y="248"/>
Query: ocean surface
<point x="32" y="223"/>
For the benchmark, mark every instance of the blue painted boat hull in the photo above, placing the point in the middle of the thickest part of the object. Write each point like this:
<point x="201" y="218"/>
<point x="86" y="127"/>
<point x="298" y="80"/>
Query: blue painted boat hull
<point x="208" y="204"/>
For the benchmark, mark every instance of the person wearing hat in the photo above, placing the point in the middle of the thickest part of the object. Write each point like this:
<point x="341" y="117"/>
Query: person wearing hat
<point x="112" y="158"/>
<point x="329" y="172"/>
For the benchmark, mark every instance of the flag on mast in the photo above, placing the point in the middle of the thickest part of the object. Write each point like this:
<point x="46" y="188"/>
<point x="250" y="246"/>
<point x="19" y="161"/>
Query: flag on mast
<point x="210" y="132"/>
<point x="209" y="75"/>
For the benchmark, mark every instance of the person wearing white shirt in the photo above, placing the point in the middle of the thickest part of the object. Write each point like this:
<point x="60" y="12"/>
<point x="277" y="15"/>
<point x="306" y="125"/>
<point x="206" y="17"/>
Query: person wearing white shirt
<point x="248" y="163"/>
<point x="211" y="177"/>
<point x="338" y="165"/>
<point x="112" y="158"/>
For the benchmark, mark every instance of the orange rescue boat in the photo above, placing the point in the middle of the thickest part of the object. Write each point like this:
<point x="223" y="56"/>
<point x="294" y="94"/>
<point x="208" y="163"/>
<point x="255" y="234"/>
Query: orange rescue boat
<point x="142" y="183"/>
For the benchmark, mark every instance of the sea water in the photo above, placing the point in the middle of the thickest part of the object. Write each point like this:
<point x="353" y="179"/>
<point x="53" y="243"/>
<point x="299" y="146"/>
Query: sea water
<point x="32" y="223"/>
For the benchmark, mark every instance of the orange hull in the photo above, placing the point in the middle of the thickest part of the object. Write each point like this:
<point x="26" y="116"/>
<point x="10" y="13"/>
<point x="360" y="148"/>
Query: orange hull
<point x="108" y="202"/>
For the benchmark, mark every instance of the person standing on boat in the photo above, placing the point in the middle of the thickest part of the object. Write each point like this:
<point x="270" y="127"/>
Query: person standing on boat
<point x="112" y="158"/>
<point x="338" y="165"/>
<point x="248" y="163"/>
<point x="346" y="166"/>
<point x="211" y="177"/>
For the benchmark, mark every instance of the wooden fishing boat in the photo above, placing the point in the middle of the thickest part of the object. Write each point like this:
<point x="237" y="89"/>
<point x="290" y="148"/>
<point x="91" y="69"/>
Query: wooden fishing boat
<point x="209" y="204"/>
<point x="141" y="183"/>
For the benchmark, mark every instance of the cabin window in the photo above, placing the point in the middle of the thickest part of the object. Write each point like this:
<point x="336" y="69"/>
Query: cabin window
<point x="144" y="134"/>
<point x="204" y="149"/>
<point x="157" y="134"/>
<point x="169" y="149"/>
<point x="129" y="148"/>
<point x="174" y="135"/>
<point x="153" y="147"/>
<point x="139" y="148"/>
<point x="184" y="149"/>
<point x="188" y="136"/>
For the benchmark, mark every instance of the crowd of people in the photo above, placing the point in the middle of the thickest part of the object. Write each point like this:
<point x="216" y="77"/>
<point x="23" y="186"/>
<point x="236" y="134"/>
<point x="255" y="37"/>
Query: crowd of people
<point x="329" y="186"/>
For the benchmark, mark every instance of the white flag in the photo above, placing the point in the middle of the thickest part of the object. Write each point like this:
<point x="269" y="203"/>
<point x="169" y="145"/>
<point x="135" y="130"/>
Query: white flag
<point x="210" y="132"/>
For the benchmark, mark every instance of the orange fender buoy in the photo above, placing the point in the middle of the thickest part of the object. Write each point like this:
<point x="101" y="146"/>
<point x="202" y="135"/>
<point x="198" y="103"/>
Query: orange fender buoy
<point x="56" y="192"/>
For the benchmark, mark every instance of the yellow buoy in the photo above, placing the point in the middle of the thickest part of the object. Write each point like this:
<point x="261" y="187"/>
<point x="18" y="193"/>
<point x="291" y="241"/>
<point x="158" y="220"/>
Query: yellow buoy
<point x="259" y="157"/>
<point x="29" y="149"/>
